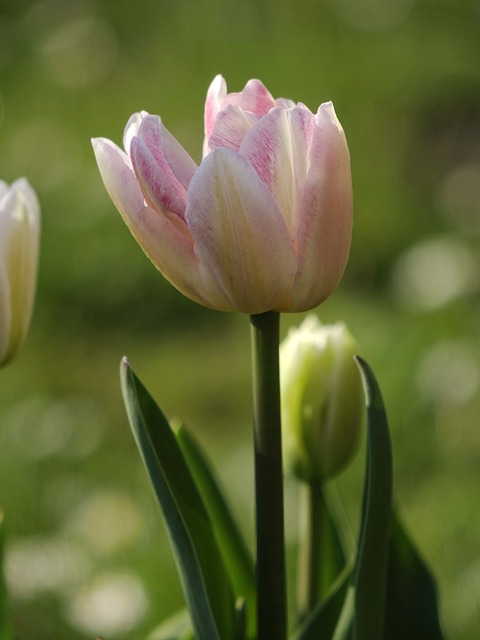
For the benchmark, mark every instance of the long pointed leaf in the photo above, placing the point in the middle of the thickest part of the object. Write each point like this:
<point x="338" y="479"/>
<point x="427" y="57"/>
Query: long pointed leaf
<point x="412" y="610"/>
<point x="235" y="553"/>
<point x="373" y="548"/>
<point x="323" y="621"/>
<point x="203" y="575"/>
<point x="177" y="627"/>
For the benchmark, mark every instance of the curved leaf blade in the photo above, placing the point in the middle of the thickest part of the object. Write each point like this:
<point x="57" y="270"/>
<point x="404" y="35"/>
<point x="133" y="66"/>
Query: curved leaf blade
<point x="236" y="555"/>
<point x="204" y="579"/>
<point x="412" y="609"/>
<point x="176" y="627"/>
<point x="370" y="577"/>
<point x="323" y="621"/>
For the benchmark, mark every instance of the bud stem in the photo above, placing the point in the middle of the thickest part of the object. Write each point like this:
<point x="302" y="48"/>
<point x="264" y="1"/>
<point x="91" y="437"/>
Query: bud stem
<point x="309" y="562"/>
<point x="270" y="566"/>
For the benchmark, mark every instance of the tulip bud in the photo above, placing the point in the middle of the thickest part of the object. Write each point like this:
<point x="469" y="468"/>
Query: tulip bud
<point x="321" y="399"/>
<point x="19" y="243"/>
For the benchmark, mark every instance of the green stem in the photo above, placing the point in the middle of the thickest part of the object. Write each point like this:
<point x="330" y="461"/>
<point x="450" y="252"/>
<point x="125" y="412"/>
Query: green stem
<point x="309" y="563"/>
<point x="271" y="580"/>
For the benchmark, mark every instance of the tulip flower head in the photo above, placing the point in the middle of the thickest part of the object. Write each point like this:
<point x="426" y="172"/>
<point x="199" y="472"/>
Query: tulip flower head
<point x="262" y="224"/>
<point x="19" y="243"/>
<point x="321" y="399"/>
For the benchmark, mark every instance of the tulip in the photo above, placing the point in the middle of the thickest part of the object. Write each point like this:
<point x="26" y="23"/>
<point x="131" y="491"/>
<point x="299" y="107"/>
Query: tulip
<point x="321" y="399"/>
<point x="19" y="244"/>
<point x="262" y="224"/>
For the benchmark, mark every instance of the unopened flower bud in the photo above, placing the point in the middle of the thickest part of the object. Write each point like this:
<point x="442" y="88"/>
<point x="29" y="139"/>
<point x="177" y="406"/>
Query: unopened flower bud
<point x="19" y="240"/>
<point x="321" y="399"/>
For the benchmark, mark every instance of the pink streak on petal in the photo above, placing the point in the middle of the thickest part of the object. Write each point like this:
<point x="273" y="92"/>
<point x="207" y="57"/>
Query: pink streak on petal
<point x="163" y="168"/>
<point x="241" y="240"/>
<point x="326" y="213"/>
<point x="231" y="126"/>
<point x="254" y="97"/>
<point x="277" y="147"/>
<point x="169" y="245"/>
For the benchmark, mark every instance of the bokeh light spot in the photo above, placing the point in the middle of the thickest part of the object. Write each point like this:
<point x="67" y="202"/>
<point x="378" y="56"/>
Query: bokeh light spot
<point x="109" y="520"/>
<point x="109" y="605"/>
<point x="434" y="272"/>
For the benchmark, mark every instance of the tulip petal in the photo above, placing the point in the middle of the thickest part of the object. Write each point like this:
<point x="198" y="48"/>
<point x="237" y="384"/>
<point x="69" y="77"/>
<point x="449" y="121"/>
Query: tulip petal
<point x="326" y="213"/>
<point x="277" y="147"/>
<point x="3" y="189"/>
<point x="241" y="239"/>
<point x="215" y="95"/>
<point x="254" y="97"/>
<point x="19" y="245"/>
<point x="165" y="239"/>
<point x="131" y="129"/>
<point x="5" y="315"/>
<point x="286" y="103"/>
<point x="118" y="177"/>
<point x="162" y="166"/>
<point x="231" y="127"/>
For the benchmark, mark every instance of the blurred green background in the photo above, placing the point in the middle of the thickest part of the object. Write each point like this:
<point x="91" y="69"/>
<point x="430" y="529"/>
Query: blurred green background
<point x="87" y="552"/>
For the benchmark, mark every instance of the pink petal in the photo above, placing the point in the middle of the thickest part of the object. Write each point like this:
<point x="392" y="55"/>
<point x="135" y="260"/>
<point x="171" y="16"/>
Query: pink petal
<point x="167" y="243"/>
<point x="231" y="126"/>
<point x="254" y="97"/>
<point x="326" y="213"/>
<point x="241" y="239"/>
<point x="163" y="167"/>
<point x="286" y="103"/>
<point x="215" y="95"/>
<point x="277" y="147"/>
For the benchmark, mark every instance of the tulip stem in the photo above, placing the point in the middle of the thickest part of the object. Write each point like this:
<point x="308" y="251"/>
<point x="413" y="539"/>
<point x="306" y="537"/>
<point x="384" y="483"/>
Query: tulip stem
<point x="310" y="558"/>
<point x="270" y="537"/>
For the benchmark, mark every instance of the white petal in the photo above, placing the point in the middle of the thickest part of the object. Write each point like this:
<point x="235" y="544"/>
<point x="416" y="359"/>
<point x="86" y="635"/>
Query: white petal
<point x="5" y="312"/>
<point x="215" y="95"/>
<point x="164" y="238"/>
<point x="326" y="213"/>
<point x="241" y="239"/>
<point x="231" y="127"/>
<point x="131" y="129"/>
<point x="19" y="246"/>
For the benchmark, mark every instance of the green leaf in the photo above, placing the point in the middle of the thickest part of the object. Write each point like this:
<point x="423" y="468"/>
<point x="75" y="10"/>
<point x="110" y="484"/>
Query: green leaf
<point x="204" y="578"/>
<point x="240" y="620"/>
<point x="5" y="630"/>
<point x="236" y="555"/>
<point x="344" y="628"/>
<point x="370" y="577"/>
<point x="412" y="610"/>
<point x="323" y="621"/>
<point x="176" y="627"/>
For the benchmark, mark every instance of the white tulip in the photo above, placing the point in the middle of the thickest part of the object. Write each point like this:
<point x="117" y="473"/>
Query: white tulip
<point x="19" y="247"/>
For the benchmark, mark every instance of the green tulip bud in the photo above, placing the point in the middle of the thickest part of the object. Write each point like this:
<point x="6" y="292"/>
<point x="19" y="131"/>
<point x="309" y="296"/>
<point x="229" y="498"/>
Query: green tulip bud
<point x="321" y="399"/>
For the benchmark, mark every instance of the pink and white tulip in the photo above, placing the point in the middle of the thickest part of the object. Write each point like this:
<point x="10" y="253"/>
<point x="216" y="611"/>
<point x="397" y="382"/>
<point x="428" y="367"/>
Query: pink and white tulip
<point x="262" y="224"/>
<point x="19" y="242"/>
